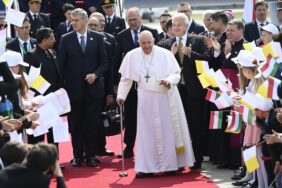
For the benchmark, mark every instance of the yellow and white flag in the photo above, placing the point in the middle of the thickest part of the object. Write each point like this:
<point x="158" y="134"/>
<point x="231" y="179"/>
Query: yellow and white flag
<point x="8" y="3"/>
<point x="250" y="159"/>
<point x="40" y="84"/>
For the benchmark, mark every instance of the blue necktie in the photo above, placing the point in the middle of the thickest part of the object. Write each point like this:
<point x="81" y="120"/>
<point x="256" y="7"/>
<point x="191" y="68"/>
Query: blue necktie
<point x="136" y="38"/>
<point x="82" y="43"/>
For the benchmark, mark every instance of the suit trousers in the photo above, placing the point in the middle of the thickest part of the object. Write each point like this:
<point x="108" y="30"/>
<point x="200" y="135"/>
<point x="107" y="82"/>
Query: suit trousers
<point x="130" y="117"/>
<point x="84" y="120"/>
<point x="194" y="111"/>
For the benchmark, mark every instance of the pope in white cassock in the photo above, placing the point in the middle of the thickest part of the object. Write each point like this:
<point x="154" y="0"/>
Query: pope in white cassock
<point x="163" y="140"/>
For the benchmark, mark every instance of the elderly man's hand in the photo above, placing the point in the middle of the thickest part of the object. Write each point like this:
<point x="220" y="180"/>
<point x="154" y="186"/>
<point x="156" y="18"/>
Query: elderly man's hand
<point x="120" y="102"/>
<point x="165" y="83"/>
<point x="272" y="138"/>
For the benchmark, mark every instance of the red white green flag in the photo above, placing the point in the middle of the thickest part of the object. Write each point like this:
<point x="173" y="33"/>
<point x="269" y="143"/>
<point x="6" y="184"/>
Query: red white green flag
<point x="216" y="119"/>
<point x="247" y="114"/>
<point x="234" y="122"/>
<point x="211" y="95"/>
<point x="269" y="68"/>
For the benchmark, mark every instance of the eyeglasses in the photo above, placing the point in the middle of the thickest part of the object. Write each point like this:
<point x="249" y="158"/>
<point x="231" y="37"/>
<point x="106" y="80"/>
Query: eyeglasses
<point x="163" y="22"/>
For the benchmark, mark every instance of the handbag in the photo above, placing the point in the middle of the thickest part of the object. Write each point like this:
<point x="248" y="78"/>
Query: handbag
<point x="6" y="107"/>
<point x="111" y="120"/>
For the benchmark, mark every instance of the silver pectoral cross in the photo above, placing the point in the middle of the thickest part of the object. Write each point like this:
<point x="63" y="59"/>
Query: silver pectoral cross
<point x="147" y="77"/>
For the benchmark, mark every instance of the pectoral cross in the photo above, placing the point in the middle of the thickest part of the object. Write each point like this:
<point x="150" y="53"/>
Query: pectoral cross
<point x="147" y="77"/>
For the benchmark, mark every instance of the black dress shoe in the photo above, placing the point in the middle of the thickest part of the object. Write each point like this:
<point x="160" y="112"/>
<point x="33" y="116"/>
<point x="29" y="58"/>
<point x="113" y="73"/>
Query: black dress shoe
<point x="171" y="173"/>
<point x="105" y="153"/>
<point x="97" y="160"/>
<point x="240" y="183"/>
<point x="91" y="162"/>
<point x="181" y="169"/>
<point x="76" y="162"/>
<point x="143" y="175"/>
<point x="196" y="166"/>
<point x="240" y="175"/>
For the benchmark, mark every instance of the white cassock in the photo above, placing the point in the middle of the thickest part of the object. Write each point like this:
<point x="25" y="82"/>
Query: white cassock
<point x="163" y="140"/>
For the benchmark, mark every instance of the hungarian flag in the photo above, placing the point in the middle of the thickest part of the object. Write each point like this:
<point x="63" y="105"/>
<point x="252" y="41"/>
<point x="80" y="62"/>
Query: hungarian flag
<point x="223" y="101"/>
<point x="216" y="120"/>
<point x="250" y="159"/>
<point x="234" y="122"/>
<point x="269" y="68"/>
<point x="269" y="88"/>
<point x="211" y="95"/>
<point x="249" y="12"/>
<point x="247" y="114"/>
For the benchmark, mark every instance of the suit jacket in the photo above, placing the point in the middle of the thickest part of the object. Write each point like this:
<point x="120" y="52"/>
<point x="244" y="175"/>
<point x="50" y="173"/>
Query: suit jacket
<point x="57" y="15"/>
<point x="76" y="64"/>
<point x="116" y="26"/>
<point x="14" y="45"/>
<point x="110" y="43"/>
<point x="61" y="30"/>
<point x="251" y="31"/>
<point x="125" y="44"/>
<point x="18" y="175"/>
<point x="42" y="20"/>
<point x="196" y="28"/>
<point x="199" y="52"/>
<point x="49" y="68"/>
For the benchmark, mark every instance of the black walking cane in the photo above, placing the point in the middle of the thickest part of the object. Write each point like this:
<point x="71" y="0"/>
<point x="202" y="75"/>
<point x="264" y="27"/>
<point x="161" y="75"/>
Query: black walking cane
<point x="122" y="173"/>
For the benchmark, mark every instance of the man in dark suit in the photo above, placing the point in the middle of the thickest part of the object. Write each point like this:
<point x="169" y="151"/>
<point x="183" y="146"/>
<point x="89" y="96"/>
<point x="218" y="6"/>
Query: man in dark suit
<point x="252" y="29"/>
<point x="64" y="27"/>
<point x="114" y="24"/>
<point x="83" y="63"/>
<point x="43" y="56"/>
<point x="23" y="43"/>
<point x="37" y="19"/>
<point x="193" y="27"/>
<point x="163" y="19"/>
<point x="58" y="12"/>
<point x="23" y="4"/>
<point x="188" y="48"/>
<point x="126" y="41"/>
<point x="98" y="25"/>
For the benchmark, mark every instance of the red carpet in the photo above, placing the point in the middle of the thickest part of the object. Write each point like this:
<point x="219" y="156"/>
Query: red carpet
<point x="107" y="173"/>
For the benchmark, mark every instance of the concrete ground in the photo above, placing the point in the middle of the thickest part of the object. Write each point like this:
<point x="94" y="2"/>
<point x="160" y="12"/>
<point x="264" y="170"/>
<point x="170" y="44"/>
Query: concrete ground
<point x="219" y="176"/>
